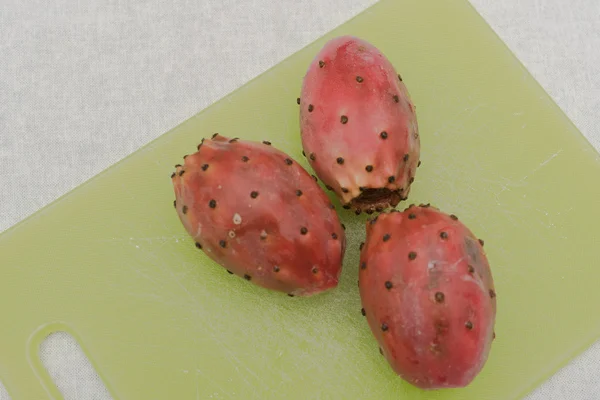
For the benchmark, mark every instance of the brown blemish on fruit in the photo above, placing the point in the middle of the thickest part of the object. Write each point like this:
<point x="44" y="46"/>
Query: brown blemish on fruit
<point x="376" y="199"/>
<point x="471" y="269"/>
<point x="363" y="312"/>
<point x="391" y="179"/>
<point x="359" y="79"/>
<point x="288" y="161"/>
<point x="444" y="235"/>
<point x="412" y="216"/>
<point x="311" y="108"/>
<point x="481" y="242"/>
<point x="233" y="140"/>
<point x="312" y="156"/>
<point x="212" y="203"/>
<point x="454" y="217"/>
<point x="344" y="190"/>
<point x="321" y="63"/>
<point x="388" y="285"/>
<point x="369" y="168"/>
<point x="384" y="327"/>
<point x="222" y="243"/>
<point x="469" y="325"/>
<point x="173" y="175"/>
<point x="411" y="180"/>
<point x="344" y="119"/>
<point x="405" y="158"/>
<point x="263" y="235"/>
<point x="412" y="255"/>
<point x="340" y="160"/>
<point x="254" y="194"/>
<point x="245" y="159"/>
<point x="334" y="236"/>
<point x="276" y="269"/>
<point x="298" y="192"/>
<point x="214" y="135"/>
<point x="383" y="135"/>
<point x="386" y="237"/>
<point x="363" y="265"/>
<point x="181" y="172"/>
<point x="303" y="230"/>
<point x="184" y="209"/>
<point x="198" y="246"/>
<point x="247" y="277"/>
<point x="396" y="98"/>
<point x="492" y="293"/>
<point x="314" y="270"/>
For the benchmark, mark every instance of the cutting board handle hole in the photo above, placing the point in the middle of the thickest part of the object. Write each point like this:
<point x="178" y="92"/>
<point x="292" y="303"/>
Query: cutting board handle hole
<point x="70" y="369"/>
<point x="3" y="392"/>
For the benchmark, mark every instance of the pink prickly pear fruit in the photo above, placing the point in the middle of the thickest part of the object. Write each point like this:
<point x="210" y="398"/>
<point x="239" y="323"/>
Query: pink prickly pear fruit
<point x="256" y="212"/>
<point x="358" y="125"/>
<point x="428" y="296"/>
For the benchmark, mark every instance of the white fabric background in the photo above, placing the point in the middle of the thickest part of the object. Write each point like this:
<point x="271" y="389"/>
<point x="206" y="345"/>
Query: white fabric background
<point x="85" y="83"/>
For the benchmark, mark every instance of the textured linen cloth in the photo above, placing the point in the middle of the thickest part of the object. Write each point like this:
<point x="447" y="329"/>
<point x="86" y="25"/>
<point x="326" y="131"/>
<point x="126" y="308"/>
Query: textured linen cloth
<point x="85" y="83"/>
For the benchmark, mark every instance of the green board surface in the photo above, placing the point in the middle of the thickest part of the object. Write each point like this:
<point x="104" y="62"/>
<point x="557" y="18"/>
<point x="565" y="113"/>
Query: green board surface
<point x="111" y="264"/>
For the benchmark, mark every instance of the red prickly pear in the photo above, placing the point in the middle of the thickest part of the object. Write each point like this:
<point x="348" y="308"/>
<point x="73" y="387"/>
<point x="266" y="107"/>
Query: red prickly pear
<point x="428" y="295"/>
<point x="359" y="126"/>
<point x="260" y="215"/>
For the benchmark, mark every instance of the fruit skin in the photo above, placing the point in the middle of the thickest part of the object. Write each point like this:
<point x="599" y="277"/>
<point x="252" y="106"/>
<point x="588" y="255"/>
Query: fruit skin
<point x="428" y="294"/>
<point x="259" y="214"/>
<point x="358" y="125"/>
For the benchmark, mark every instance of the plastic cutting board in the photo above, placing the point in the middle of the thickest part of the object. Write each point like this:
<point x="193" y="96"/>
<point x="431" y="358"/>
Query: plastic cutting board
<point x="111" y="264"/>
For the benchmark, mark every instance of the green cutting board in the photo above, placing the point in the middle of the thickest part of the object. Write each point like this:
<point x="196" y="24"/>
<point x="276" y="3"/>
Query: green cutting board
<point x="110" y="262"/>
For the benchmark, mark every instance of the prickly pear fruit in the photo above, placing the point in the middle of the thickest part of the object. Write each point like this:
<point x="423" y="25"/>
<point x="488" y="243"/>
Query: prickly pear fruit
<point x="359" y="126"/>
<point x="428" y="295"/>
<point x="259" y="214"/>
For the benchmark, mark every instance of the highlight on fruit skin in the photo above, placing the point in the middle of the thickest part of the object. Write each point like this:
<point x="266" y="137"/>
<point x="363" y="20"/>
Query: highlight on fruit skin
<point x="428" y="295"/>
<point x="260" y="215"/>
<point x="358" y="125"/>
